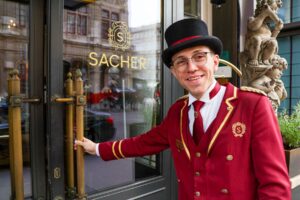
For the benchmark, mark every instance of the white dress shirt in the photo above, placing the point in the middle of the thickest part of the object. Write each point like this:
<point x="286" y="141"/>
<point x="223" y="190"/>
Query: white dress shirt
<point x="209" y="110"/>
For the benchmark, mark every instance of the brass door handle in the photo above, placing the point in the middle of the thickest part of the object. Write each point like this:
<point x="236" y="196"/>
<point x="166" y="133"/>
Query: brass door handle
<point x="62" y="99"/>
<point x="31" y="100"/>
<point x="17" y="100"/>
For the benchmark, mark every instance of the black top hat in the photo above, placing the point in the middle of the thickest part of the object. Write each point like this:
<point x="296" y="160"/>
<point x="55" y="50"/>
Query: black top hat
<point x="188" y="33"/>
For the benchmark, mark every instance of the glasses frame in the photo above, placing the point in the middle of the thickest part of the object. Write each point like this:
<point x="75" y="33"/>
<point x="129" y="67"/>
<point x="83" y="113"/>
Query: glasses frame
<point x="192" y="59"/>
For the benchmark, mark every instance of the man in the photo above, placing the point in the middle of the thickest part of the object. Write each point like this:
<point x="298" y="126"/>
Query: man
<point x="233" y="150"/>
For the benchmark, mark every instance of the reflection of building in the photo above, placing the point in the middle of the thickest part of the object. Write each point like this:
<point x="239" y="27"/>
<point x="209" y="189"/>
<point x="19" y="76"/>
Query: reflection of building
<point x="136" y="65"/>
<point x="85" y="32"/>
<point x="145" y="40"/>
<point x="13" y="41"/>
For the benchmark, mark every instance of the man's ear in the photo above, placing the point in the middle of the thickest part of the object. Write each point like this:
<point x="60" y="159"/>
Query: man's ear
<point x="216" y="62"/>
<point x="173" y="71"/>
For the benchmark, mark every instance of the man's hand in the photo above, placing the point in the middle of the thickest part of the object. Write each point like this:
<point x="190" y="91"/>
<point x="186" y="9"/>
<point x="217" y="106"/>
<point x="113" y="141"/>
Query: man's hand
<point x="88" y="145"/>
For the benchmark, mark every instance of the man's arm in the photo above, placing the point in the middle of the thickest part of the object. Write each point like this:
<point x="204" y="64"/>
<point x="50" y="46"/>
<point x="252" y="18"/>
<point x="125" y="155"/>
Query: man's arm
<point x="151" y="142"/>
<point x="268" y="154"/>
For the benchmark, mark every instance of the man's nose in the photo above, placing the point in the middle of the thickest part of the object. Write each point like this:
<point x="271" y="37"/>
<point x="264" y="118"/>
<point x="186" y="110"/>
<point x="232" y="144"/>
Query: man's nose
<point x="191" y="65"/>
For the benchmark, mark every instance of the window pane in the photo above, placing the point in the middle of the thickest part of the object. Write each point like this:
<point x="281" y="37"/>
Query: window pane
<point x="104" y="29"/>
<point x="296" y="70"/>
<point x="284" y="51"/>
<point x="285" y="12"/>
<point x="288" y="48"/>
<point x="115" y="16"/>
<point x="81" y="25"/>
<point x="105" y="14"/>
<point x="192" y="7"/>
<point x="71" y="20"/>
<point x="296" y="11"/>
<point x="120" y="63"/>
<point x="14" y="42"/>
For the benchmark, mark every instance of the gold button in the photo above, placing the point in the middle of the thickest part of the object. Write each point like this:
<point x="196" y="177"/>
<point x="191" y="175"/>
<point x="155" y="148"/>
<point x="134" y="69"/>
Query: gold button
<point x="229" y="157"/>
<point x="197" y="173"/>
<point x="198" y="154"/>
<point x="197" y="194"/>
<point x="224" y="191"/>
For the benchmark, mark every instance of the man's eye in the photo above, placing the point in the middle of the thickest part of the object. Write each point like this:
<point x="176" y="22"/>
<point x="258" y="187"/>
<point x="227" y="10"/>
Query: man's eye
<point x="180" y="62"/>
<point x="199" y="57"/>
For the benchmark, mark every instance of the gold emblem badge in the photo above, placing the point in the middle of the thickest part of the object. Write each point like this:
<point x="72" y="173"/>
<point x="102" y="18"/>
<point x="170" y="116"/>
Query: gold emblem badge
<point x="238" y="129"/>
<point x="119" y="36"/>
<point x="179" y="145"/>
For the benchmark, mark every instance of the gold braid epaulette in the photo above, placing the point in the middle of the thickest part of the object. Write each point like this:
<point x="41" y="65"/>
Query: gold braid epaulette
<point x="183" y="97"/>
<point x="251" y="89"/>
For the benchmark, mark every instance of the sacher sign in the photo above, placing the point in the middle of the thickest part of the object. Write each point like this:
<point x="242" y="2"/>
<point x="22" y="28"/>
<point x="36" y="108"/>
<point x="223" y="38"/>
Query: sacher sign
<point x="120" y="38"/>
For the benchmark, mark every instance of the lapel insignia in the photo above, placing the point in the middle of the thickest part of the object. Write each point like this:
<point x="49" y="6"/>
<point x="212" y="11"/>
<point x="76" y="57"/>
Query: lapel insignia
<point x="238" y="129"/>
<point x="179" y="145"/>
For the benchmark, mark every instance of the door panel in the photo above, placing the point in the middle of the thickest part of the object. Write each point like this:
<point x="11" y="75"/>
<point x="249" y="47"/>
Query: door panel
<point x="14" y="41"/>
<point x="16" y="38"/>
<point x="116" y="45"/>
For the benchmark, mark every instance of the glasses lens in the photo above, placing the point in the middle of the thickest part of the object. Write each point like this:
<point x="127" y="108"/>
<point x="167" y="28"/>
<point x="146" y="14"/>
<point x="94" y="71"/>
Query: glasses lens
<point x="180" y="62"/>
<point x="199" y="58"/>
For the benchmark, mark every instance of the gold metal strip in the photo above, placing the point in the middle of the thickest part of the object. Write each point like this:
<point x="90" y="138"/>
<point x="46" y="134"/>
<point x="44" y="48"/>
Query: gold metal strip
<point x="64" y="100"/>
<point x="224" y="121"/>
<point x="239" y="73"/>
<point x="15" y="137"/>
<point x="120" y="149"/>
<point x="181" y="134"/>
<point x="80" y="135"/>
<point x="71" y="191"/>
<point x="113" y="150"/>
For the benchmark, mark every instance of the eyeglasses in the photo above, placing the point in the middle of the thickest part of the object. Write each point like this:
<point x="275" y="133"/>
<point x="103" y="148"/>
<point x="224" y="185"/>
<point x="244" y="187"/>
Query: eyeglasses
<point x="181" y="63"/>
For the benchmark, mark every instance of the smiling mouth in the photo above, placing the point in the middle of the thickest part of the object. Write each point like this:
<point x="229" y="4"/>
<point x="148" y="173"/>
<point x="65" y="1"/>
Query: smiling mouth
<point x="195" y="78"/>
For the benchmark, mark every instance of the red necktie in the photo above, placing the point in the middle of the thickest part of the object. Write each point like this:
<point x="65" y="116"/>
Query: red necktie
<point x="198" y="123"/>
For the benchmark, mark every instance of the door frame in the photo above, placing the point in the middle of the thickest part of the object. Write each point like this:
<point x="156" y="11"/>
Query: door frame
<point x="37" y="111"/>
<point x="53" y="86"/>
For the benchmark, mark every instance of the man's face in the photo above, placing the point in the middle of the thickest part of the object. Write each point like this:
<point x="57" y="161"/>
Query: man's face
<point x="195" y="78"/>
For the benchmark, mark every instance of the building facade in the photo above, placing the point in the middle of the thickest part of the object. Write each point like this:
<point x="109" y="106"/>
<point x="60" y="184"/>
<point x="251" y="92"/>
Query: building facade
<point x="114" y="47"/>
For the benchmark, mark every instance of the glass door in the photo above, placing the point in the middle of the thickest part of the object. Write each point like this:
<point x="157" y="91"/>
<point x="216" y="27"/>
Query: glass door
<point x="22" y="163"/>
<point x="116" y="45"/>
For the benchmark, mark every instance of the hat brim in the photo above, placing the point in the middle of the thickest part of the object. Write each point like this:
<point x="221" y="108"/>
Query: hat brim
<point x="212" y="42"/>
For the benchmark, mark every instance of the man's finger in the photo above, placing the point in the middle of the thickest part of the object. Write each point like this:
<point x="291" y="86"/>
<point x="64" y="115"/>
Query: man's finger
<point x="78" y="142"/>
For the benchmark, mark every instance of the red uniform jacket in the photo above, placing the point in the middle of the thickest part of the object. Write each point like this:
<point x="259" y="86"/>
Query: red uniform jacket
<point x="240" y="158"/>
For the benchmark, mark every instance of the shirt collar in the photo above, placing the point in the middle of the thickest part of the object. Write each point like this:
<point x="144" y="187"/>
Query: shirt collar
<point x="205" y="97"/>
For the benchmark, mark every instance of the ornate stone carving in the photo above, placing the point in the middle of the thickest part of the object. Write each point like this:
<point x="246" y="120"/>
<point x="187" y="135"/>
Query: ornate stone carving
<point x="260" y="64"/>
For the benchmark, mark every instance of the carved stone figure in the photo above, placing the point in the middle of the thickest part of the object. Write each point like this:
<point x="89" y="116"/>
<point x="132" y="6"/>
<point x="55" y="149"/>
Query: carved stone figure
<point x="260" y="64"/>
<point x="261" y="43"/>
<point x="270" y="82"/>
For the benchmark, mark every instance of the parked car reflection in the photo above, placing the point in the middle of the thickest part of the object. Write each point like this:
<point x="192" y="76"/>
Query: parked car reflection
<point x="99" y="126"/>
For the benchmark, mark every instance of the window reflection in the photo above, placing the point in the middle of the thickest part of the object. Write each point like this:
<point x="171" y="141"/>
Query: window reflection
<point x="288" y="50"/>
<point x="285" y="12"/>
<point x="14" y="40"/>
<point x="192" y="7"/>
<point x="119" y="57"/>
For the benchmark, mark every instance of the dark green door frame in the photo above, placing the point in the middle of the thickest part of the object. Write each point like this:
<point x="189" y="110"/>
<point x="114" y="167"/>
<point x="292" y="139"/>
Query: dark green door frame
<point x="54" y="85"/>
<point x="36" y="79"/>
